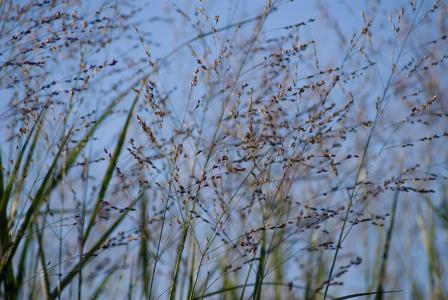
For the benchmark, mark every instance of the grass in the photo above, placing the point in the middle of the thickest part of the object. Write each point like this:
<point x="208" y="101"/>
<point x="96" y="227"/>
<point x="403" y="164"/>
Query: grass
<point x="248" y="160"/>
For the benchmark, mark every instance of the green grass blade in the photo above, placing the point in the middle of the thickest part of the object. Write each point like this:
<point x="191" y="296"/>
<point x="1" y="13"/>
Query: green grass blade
<point x="6" y="270"/>
<point x="111" y="167"/>
<point x="26" y="166"/>
<point x="192" y="268"/>
<point x="22" y="261"/>
<point x="73" y="155"/>
<point x="90" y="253"/>
<point x="43" y="263"/>
<point x="1" y="175"/>
<point x="177" y="265"/>
<point x="364" y="294"/>
<point x="382" y="273"/>
<point x="143" y="255"/>
<point x="36" y="201"/>
<point x="260" y="271"/>
<point x="6" y="192"/>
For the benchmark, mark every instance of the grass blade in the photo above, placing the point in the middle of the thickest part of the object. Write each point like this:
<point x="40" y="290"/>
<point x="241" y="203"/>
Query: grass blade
<point x="90" y="253"/>
<point x="111" y="167"/>
<point x="260" y="271"/>
<point x="382" y="274"/>
<point x="36" y="201"/>
<point x="364" y="294"/>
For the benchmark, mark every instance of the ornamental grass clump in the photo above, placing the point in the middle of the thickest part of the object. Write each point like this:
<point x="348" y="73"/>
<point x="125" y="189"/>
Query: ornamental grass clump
<point x="192" y="151"/>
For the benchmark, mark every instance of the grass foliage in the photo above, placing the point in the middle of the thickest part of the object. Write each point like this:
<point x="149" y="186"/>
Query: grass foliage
<point x="256" y="157"/>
